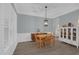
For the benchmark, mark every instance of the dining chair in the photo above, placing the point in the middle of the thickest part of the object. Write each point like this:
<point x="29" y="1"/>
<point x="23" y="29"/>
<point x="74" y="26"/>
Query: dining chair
<point x="39" y="41"/>
<point x="50" y="40"/>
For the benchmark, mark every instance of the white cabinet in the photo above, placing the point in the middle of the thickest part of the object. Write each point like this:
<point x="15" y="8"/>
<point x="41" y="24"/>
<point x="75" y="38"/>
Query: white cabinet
<point x="69" y="35"/>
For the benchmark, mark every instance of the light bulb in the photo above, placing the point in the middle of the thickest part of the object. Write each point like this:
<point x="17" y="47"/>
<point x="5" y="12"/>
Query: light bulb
<point x="45" y="23"/>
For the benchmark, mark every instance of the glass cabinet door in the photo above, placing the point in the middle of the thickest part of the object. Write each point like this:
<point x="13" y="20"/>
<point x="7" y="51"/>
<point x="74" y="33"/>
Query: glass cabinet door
<point x="64" y="33"/>
<point x="69" y="33"/>
<point x="61" y="33"/>
<point x="74" y="34"/>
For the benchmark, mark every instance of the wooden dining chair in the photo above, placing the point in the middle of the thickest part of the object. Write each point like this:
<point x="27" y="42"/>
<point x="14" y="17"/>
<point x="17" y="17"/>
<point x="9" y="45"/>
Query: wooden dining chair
<point x="39" y="41"/>
<point x="50" y="40"/>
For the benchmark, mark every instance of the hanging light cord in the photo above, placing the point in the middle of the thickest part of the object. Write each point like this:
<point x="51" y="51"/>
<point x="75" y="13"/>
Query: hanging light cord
<point x="45" y="12"/>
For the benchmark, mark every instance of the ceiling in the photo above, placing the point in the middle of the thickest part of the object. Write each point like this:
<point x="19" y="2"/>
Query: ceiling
<point x="38" y="9"/>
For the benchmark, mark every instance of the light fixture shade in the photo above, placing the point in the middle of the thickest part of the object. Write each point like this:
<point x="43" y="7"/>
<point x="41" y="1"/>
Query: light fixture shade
<point x="45" y="20"/>
<point x="46" y="23"/>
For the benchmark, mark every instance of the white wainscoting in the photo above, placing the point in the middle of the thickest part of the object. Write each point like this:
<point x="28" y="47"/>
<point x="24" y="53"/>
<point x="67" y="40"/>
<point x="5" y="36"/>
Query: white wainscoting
<point x="9" y="49"/>
<point x="8" y="29"/>
<point x="22" y="37"/>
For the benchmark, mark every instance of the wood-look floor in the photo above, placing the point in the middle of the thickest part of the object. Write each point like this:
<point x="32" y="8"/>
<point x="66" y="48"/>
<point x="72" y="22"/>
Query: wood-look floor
<point x="60" y="48"/>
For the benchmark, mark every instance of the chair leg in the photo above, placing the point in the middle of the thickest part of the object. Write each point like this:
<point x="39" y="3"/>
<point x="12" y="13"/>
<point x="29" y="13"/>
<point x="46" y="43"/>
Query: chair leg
<point x="37" y="44"/>
<point x="40" y="45"/>
<point x="44" y="43"/>
<point x="53" y="42"/>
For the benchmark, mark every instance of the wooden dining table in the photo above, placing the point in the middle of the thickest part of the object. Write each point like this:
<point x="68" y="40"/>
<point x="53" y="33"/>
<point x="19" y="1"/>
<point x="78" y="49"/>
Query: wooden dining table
<point x="44" y="39"/>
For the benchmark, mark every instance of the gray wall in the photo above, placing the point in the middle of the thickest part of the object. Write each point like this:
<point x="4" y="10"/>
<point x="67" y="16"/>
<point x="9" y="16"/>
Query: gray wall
<point x="70" y="17"/>
<point x="26" y="23"/>
<point x="65" y="19"/>
<point x="54" y="24"/>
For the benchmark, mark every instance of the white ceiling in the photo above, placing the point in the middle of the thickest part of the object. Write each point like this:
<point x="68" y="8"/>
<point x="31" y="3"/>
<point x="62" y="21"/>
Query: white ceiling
<point x="38" y="9"/>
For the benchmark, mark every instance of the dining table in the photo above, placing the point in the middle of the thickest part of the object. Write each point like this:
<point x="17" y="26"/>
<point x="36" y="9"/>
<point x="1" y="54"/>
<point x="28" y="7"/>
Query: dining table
<point x="44" y="39"/>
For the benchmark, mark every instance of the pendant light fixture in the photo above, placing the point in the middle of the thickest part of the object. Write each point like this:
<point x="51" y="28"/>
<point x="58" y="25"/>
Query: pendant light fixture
<point x="45" y="21"/>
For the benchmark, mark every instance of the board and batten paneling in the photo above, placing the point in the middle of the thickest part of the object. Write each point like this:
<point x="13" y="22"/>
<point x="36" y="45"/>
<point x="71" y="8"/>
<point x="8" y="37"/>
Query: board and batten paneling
<point x="8" y="33"/>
